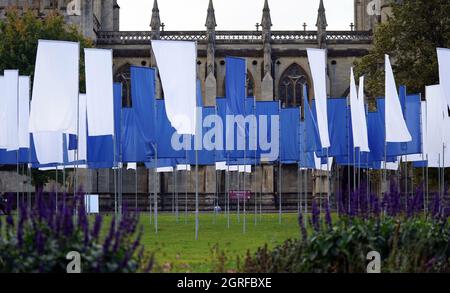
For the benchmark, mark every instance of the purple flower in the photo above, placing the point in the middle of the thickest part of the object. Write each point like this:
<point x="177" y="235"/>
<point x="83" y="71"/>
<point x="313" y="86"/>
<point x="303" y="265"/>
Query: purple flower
<point x="303" y="230"/>
<point x="328" y="220"/>
<point x="315" y="217"/>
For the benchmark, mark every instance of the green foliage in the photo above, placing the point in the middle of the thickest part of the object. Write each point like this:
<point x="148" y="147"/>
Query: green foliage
<point x="410" y="37"/>
<point x="20" y="34"/>
<point x="43" y="236"/>
<point x="415" y="246"/>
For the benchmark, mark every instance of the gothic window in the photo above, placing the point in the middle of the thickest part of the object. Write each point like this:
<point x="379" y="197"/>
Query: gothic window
<point x="123" y="76"/>
<point x="290" y="89"/>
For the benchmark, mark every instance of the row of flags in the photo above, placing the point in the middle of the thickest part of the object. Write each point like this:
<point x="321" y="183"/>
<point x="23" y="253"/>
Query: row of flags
<point x="67" y="127"/>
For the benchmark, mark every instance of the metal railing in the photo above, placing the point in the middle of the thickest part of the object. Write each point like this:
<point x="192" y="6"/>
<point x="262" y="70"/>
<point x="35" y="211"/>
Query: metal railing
<point x="144" y="37"/>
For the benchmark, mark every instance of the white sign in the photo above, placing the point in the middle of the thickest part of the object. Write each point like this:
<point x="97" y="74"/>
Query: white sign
<point x="92" y="203"/>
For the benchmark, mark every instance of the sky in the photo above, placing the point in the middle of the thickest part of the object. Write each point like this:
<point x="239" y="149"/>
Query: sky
<point x="234" y="14"/>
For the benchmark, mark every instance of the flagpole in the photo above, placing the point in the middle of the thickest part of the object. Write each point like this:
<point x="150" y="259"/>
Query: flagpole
<point x="18" y="174"/>
<point x="186" y="188"/>
<point x="328" y="180"/>
<point x="155" y="191"/>
<point x="173" y="192"/>
<point x="279" y="171"/>
<point x="177" y="211"/>
<point x="228" y="190"/>
<point x="196" y="195"/>
<point x="56" y="189"/>
<point x="136" y="191"/>
<point x="149" y="196"/>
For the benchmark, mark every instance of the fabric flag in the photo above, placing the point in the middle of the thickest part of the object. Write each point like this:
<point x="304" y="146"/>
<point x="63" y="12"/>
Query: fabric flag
<point x="24" y="111"/>
<point x="423" y="130"/>
<point x="11" y="93"/>
<point x="236" y="74"/>
<point x="311" y="139"/>
<point x="99" y="91"/>
<point x="289" y="135"/>
<point x="444" y="72"/>
<point x="143" y="85"/>
<point x="396" y="129"/>
<point x="362" y="112"/>
<point x="132" y="166"/>
<point x="435" y="119"/>
<point x="177" y="64"/>
<point x="132" y="147"/>
<point x="79" y="154"/>
<point x="49" y="147"/>
<point x="183" y="167"/>
<point x="317" y="61"/>
<point x="235" y="92"/>
<point x="221" y="166"/>
<point x="3" y="111"/>
<point x="55" y="87"/>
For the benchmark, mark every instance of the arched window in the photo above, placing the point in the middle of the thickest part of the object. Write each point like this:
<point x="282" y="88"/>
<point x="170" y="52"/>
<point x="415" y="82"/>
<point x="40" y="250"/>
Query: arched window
<point x="290" y="89"/>
<point x="123" y="76"/>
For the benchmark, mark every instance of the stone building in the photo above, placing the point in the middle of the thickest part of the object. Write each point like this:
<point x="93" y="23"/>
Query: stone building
<point x="277" y="69"/>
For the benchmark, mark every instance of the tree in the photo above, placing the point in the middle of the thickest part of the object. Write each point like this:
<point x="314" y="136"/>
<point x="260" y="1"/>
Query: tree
<point x="410" y="36"/>
<point x="20" y="32"/>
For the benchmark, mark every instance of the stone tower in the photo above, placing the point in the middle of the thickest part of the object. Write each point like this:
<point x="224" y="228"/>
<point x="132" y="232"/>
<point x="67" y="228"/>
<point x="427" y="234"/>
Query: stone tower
<point x="210" y="82"/>
<point x="321" y="26"/>
<point x="267" y="82"/>
<point x="369" y="13"/>
<point x="89" y="16"/>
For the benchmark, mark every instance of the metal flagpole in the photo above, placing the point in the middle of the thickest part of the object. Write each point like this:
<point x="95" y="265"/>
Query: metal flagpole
<point x="186" y="189"/>
<point x="136" y="191"/>
<point x="29" y="177"/>
<point x="255" y="196"/>
<point x="18" y="175"/>
<point x="196" y="195"/>
<point x="238" y="175"/>
<point x="173" y="193"/>
<point x="279" y="193"/>
<point x="216" y="194"/>
<point x="244" y="227"/>
<point x="427" y="190"/>
<point x="56" y="190"/>
<point x="155" y="191"/>
<point x="149" y="196"/>
<point x="254" y="172"/>
<point x="228" y="190"/>
<point x="261" y="194"/>
<point x="299" y="204"/>
<point x="328" y="180"/>
<point x="177" y="211"/>
<point x="279" y="171"/>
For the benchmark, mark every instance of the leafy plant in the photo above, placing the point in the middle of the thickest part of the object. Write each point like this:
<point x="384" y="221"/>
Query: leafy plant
<point x="39" y="239"/>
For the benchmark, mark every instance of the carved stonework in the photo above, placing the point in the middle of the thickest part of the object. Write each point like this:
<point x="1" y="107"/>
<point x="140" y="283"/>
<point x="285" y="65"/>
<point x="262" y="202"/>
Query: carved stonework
<point x="210" y="90"/>
<point x="267" y="88"/>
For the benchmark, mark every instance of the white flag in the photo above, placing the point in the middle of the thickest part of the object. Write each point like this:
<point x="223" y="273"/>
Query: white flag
<point x="11" y="92"/>
<point x="363" y="118"/>
<point x="99" y="91"/>
<point x="317" y="62"/>
<point x="177" y="68"/>
<point x="444" y="72"/>
<point x="55" y="87"/>
<point x="24" y="111"/>
<point x="359" y="124"/>
<point x="396" y="129"/>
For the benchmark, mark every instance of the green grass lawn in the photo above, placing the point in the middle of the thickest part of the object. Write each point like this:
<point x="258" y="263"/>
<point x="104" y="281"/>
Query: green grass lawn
<point x="177" y="250"/>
